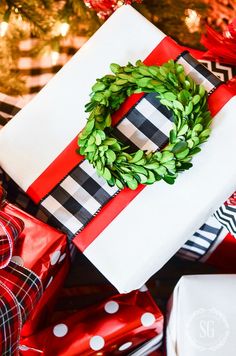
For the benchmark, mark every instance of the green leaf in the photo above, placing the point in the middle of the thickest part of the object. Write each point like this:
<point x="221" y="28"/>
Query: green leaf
<point x="170" y="165"/>
<point x="138" y="155"/>
<point x="182" y="154"/>
<point x="167" y="156"/>
<point x="110" y="141"/>
<point x="161" y="171"/>
<point x="127" y="177"/>
<point x="139" y="169"/>
<point x="166" y="103"/>
<point x="178" y="105"/>
<point x="151" y="178"/>
<point x="132" y="184"/>
<point x="142" y="178"/>
<point x="91" y="148"/>
<point x="169" y="179"/>
<point x="201" y="91"/>
<point x="119" y="184"/>
<point x="179" y="147"/>
<point x="153" y="165"/>
<point x="115" y="88"/>
<point x="195" y="150"/>
<point x="183" y="130"/>
<point x="163" y="71"/>
<point x="169" y="96"/>
<point x="106" y="174"/>
<point x="115" y="68"/>
<point x="204" y="134"/>
<point x="121" y="81"/>
<point x="144" y="71"/>
<point x="99" y="86"/>
<point x="196" y="99"/>
<point x="172" y="136"/>
<point x="98" y="139"/>
<point x="198" y="128"/>
<point x="111" y="156"/>
<point x="189" y="108"/>
<point x="143" y="82"/>
<point x="108" y="120"/>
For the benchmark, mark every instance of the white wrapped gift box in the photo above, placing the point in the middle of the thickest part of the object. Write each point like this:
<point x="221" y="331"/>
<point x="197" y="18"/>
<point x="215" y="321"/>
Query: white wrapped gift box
<point x="130" y="240"/>
<point x="202" y="316"/>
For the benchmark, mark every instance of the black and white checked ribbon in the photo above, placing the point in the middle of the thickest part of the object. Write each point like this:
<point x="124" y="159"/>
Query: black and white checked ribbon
<point x="81" y="194"/>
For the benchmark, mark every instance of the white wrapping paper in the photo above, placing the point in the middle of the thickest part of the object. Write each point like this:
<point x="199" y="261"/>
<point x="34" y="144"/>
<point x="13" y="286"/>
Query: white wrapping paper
<point x="202" y="316"/>
<point x="142" y="238"/>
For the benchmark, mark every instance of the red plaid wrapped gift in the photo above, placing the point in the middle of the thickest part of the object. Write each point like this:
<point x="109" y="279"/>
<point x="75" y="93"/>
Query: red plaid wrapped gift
<point x="108" y="225"/>
<point x="117" y="326"/>
<point x="34" y="258"/>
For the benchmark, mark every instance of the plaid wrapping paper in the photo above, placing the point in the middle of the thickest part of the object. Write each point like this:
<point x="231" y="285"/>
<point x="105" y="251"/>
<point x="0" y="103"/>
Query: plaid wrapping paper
<point x="73" y="203"/>
<point x="10" y="229"/>
<point x="20" y="288"/>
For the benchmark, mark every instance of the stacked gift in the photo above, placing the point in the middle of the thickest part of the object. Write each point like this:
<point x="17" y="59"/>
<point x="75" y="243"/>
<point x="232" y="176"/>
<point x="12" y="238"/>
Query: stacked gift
<point x="118" y="325"/>
<point x="128" y="234"/>
<point x="96" y="216"/>
<point x="34" y="263"/>
<point x="202" y="316"/>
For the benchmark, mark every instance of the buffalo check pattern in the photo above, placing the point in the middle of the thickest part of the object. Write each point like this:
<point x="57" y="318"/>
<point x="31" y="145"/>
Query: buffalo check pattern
<point x="80" y="196"/>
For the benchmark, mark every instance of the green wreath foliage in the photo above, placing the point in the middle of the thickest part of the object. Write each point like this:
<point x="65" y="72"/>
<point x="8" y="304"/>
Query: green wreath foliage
<point x="111" y="158"/>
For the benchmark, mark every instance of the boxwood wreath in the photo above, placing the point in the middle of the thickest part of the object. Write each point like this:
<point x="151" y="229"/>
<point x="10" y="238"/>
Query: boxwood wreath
<point x="177" y="91"/>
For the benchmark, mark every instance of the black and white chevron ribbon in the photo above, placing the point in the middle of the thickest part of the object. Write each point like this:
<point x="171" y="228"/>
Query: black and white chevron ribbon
<point x="226" y="215"/>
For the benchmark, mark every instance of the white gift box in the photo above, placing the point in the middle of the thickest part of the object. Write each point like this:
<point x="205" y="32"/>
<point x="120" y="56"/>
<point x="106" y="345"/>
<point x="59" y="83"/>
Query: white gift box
<point x="141" y="238"/>
<point x="202" y="316"/>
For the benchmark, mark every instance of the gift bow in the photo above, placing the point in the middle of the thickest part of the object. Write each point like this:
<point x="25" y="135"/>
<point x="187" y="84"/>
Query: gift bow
<point x="20" y="288"/>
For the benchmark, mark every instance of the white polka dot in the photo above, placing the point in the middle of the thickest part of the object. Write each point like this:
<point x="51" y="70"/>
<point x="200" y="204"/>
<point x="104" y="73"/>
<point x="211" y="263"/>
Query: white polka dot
<point x="147" y="319"/>
<point x="125" y="346"/>
<point x="54" y="257"/>
<point x="49" y="282"/>
<point x="96" y="343"/>
<point x="60" y="330"/>
<point x="143" y="289"/>
<point x="18" y="260"/>
<point x="24" y="348"/>
<point x="62" y="257"/>
<point x="111" y="307"/>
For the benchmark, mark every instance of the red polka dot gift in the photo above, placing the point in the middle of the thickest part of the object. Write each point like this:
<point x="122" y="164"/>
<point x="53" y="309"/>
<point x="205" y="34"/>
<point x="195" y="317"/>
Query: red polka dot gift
<point x="99" y="197"/>
<point x="33" y="262"/>
<point x="122" y="324"/>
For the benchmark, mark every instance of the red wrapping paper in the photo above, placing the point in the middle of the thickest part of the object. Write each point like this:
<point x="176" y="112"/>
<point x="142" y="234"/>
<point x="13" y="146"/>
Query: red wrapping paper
<point x="43" y="250"/>
<point x="116" y="326"/>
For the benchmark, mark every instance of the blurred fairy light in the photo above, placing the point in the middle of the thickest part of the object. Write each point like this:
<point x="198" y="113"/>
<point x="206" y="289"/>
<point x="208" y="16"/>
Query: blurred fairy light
<point x="192" y="20"/>
<point x="64" y="28"/>
<point x="60" y="29"/>
<point x="54" y="57"/>
<point x="3" y="28"/>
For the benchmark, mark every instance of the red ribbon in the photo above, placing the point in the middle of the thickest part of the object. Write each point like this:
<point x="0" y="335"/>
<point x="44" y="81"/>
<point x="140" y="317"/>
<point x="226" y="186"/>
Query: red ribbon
<point x="69" y="159"/>
<point x="20" y="288"/>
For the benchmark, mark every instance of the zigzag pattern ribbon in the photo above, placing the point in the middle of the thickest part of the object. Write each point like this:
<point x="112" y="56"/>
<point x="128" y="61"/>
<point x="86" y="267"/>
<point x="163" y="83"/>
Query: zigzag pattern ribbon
<point x="20" y="288"/>
<point x="226" y="214"/>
